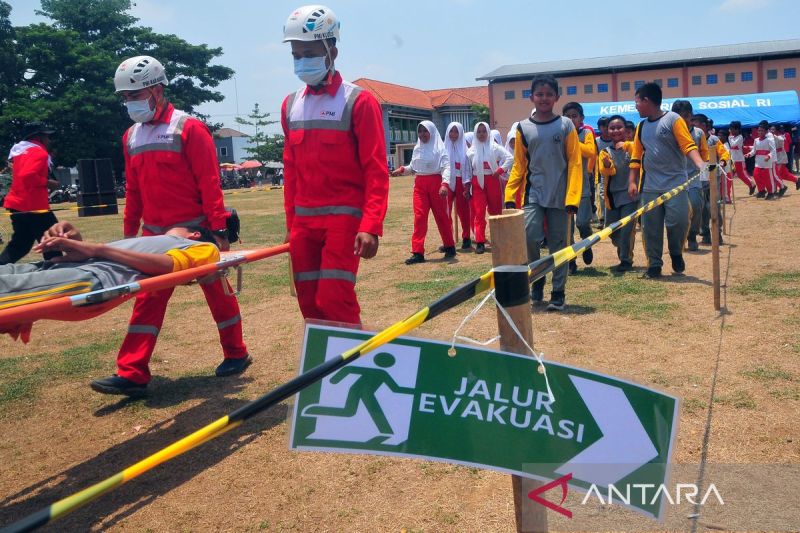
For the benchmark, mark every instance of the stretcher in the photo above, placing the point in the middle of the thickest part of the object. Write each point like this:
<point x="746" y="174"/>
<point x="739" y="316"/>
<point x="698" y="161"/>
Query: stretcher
<point x="18" y="321"/>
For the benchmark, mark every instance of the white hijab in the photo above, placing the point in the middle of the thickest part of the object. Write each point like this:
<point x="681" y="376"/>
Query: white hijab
<point x="469" y="137"/>
<point x="427" y="158"/>
<point x="457" y="149"/>
<point x="496" y="137"/>
<point x="483" y="152"/>
<point x="512" y="134"/>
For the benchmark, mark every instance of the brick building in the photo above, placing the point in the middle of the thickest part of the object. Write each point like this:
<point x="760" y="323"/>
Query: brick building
<point x="404" y="107"/>
<point x="747" y="68"/>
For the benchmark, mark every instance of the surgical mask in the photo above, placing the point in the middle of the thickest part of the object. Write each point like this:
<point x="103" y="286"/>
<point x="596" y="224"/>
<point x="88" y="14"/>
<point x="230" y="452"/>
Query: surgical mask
<point x="311" y="70"/>
<point x="139" y="110"/>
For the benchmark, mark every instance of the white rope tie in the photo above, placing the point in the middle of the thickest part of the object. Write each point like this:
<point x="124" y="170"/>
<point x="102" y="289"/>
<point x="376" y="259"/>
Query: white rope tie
<point x="539" y="356"/>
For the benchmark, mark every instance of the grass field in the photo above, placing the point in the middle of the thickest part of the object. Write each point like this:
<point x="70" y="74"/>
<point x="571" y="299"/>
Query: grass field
<point x="58" y="436"/>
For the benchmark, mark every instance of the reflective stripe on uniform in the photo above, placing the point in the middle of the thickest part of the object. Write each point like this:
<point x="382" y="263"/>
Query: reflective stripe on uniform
<point x="314" y="275"/>
<point x="327" y="210"/>
<point x="146" y="330"/>
<point x="343" y="124"/>
<point x="228" y="323"/>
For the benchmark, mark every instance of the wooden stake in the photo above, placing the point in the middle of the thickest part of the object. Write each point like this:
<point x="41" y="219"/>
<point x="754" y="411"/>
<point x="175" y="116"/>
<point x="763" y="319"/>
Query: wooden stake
<point x="509" y="248"/>
<point x="713" y="187"/>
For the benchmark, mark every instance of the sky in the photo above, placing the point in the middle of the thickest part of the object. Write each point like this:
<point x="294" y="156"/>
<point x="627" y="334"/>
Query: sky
<point x="437" y="44"/>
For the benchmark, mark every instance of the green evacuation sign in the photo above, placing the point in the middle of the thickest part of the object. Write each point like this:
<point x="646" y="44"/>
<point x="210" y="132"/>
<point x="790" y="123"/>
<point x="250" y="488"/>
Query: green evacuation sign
<point x="487" y="409"/>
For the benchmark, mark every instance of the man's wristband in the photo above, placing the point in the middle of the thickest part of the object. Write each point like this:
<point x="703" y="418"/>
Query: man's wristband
<point x="220" y="233"/>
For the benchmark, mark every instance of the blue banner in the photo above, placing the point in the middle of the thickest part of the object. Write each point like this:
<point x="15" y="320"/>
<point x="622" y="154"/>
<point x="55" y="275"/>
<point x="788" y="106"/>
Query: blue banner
<point x="750" y="109"/>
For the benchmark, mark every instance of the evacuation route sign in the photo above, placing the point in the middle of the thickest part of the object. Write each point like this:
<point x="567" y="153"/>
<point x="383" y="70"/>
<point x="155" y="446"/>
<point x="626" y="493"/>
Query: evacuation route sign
<point x="486" y="409"/>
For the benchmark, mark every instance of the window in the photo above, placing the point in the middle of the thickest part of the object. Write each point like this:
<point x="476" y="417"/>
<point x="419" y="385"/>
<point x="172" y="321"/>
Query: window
<point x="730" y="77"/>
<point x="526" y="93"/>
<point x="747" y="75"/>
<point x="672" y="82"/>
<point x="509" y="95"/>
<point x="588" y="88"/>
<point x="602" y="87"/>
<point x="697" y="80"/>
<point x="572" y="89"/>
<point x="772" y="74"/>
<point x="659" y="82"/>
<point x="560" y="90"/>
<point x="638" y="83"/>
<point x="790" y="72"/>
<point x="625" y="86"/>
<point x="223" y="151"/>
<point x="711" y="79"/>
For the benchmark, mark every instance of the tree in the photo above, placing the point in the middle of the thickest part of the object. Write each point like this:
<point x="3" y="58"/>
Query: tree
<point x="267" y="147"/>
<point x="62" y="72"/>
<point x="481" y="113"/>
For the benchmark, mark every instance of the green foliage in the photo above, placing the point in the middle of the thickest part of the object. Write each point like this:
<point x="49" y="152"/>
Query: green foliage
<point x="481" y="113"/>
<point x="267" y="147"/>
<point x="62" y="72"/>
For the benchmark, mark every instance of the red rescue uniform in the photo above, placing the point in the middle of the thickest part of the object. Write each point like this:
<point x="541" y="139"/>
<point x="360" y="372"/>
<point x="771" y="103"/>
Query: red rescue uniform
<point x="172" y="179"/>
<point x="336" y="185"/>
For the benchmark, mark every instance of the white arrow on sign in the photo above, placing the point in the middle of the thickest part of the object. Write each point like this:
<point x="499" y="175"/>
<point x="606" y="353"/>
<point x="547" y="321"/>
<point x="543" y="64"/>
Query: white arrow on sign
<point x="624" y="446"/>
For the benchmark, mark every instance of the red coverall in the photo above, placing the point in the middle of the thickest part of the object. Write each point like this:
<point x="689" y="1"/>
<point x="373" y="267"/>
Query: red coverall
<point x="462" y="205"/>
<point x="336" y="185"/>
<point x="172" y="178"/>
<point x="488" y="197"/>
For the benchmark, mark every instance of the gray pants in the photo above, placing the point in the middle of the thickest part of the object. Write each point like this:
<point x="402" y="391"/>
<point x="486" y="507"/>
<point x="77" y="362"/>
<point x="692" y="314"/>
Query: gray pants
<point x="625" y="237"/>
<point x="696" y="209"/>
<point x="583" y="220"/>
<point x="28" y="278"/>
<point x="557" y="224"/>
<point x="674" y="215"/>
<point x="705" y="222"/>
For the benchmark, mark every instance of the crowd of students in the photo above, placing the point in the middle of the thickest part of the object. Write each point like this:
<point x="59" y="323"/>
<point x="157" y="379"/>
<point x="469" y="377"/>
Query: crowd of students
<point x="554" y="167"/>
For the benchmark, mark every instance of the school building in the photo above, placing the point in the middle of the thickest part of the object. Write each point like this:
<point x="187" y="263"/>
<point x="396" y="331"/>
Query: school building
<point x="737" y="69"/>
<point x="405" y="107"/>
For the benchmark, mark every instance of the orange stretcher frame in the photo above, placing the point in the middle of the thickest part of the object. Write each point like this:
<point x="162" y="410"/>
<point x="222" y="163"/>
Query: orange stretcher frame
<point x="17" y="321"/>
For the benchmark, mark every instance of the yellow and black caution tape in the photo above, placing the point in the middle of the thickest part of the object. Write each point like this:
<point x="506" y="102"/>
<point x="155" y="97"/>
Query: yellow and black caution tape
<point x="460" y="294"/>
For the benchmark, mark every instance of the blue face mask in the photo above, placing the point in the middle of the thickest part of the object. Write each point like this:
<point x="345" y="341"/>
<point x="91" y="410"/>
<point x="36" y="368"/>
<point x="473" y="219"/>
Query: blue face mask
<point x="139" y="110"/>
<point x="311" y="70"/>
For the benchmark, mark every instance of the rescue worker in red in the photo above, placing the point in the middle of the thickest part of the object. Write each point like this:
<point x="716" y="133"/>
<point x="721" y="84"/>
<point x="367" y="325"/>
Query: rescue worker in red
<point x="28" y="200"/>
<point x="172" y="179"/>
<point x="336" y="180"/>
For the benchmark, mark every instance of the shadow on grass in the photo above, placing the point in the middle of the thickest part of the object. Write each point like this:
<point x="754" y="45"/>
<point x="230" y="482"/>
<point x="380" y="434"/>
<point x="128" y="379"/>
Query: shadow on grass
<point x="684" y="279"/>
<point x="569" y="309"/>
<point x="589" y="272"/>
<point x="165" y="392"/>
<point x="110" y="509"/>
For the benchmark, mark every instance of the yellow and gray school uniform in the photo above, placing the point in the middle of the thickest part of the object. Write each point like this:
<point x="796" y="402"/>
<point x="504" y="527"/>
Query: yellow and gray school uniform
<point x="618" y="202"/>
<point x="601" y="144"/>
<point x="35" y="282"/>
<point x="705" y="219"/>
<point x="583" y="220"/>
<point x="547" y="164"/>
<point x="660" y="147"/>
<point x="695" y="189"/>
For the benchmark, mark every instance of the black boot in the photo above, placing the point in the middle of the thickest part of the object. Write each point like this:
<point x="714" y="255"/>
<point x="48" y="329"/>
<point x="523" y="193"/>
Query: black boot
<point x="449" y="252"/>
<point x="415" y="258"/>
<point x="480" y="248"/>
<point x="466" y="244"/>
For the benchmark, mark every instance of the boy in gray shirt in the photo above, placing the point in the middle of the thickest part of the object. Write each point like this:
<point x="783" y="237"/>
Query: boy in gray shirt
<point x="658" y="164"/>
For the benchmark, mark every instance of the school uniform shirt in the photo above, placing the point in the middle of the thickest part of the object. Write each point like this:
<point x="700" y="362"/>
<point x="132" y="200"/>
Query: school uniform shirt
<point x="485" y="158"/>
<point x="761" y="149"/>
<point x="29" y="176"/>
<point x="736" y="143"/>
<point x="660" y="147"/>
<point x="550" y="167"/>
<point x="588" y="154"/>
<point x="699" y="139"/>
<point x="722" y="154"/>
<point x="430" y="157"/>
<point x="616" y="176"/>
<point x="781" y="148"/>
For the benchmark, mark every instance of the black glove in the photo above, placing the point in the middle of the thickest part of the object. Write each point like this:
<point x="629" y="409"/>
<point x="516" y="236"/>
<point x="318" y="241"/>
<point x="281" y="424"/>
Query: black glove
<point x="511" y="205"/>
<point x="572" y="210"/>
<point x="711" y="167"/>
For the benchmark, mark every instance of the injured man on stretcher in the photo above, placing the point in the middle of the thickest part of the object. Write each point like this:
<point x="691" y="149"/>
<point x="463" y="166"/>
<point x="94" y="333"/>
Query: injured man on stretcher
<point x="86" y="266"/>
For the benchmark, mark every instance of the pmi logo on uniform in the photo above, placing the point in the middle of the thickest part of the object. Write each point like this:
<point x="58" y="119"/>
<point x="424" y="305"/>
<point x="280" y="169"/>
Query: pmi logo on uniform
<point x="164" y="137"/>
<point x="327" y="114"/>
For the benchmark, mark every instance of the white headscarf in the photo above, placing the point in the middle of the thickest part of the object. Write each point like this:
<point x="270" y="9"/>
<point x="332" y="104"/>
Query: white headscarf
<point x="512" y="134"/>
<point x="469" y="137"/>
<point x="428" y="157"/>
<point x="483" y="153"/>
<point x="457" y="149"/>
<point x="496" y="137"/>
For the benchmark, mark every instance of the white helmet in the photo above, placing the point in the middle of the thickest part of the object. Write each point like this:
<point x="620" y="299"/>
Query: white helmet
<point x="311" y="23"/>
<point x="138" y="73"/>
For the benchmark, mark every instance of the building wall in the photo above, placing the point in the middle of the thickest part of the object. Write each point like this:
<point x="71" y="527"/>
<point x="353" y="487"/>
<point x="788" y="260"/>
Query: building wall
<point x="239" y="144"/>
<point x="227" y="144"/>
<point x="510" y="103"/>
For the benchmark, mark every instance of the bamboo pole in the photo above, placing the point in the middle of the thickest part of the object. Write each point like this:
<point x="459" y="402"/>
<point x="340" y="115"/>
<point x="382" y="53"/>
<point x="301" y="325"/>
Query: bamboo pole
<point x="509" y="248"/>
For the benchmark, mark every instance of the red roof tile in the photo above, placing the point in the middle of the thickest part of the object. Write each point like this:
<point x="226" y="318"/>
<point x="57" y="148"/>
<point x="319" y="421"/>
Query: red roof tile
<point x="390" y="93"/>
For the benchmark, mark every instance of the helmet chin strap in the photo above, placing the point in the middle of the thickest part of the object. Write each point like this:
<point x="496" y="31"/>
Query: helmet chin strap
<point x="332" y="68"/>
